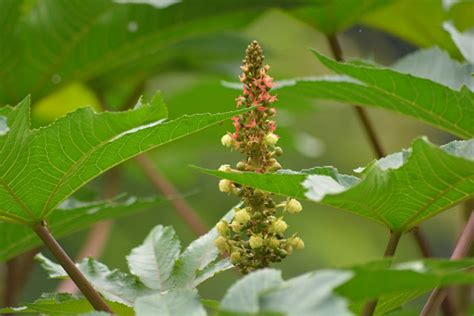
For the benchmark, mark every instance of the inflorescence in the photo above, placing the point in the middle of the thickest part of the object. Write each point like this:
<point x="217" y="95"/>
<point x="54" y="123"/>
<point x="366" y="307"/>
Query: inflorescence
<point x="256" y="235"/>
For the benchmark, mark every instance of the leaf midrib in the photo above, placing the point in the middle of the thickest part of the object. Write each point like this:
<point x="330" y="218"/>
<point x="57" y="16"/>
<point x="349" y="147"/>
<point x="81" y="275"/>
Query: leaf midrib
<point x="412" y="220"/>
<point x="77" y="164"/>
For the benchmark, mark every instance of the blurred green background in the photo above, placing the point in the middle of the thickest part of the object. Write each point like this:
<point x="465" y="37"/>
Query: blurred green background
<point x="188" y="65"/>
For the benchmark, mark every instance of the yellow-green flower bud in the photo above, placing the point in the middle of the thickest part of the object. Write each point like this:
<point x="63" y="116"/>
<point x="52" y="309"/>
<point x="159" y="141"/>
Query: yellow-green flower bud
<point x="241" y="165"/>
<point x="222" y="228"/>
<point x="227" y="140"/>
<point x="293" y="206"/>
<point x="289" y="249"/>
<point x="225" y="168"/>
<point x="273" y="242"/>
<point x="255" y="242"/>
<point x="242" y="216"/>
<point x="236" y="226"/>
<point x="279" y="226"/>
<point x="278" y="151"/>
<point x="226" y="186"/>
<point x="274" y="165"/>
<point x="235" y="257"/>
<point x="271" y="139"/>
<point x="297" y="243"/>
<point x="221" y="244"/>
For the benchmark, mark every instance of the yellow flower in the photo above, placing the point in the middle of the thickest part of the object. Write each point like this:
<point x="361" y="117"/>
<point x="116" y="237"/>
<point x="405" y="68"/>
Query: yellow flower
<point x="255" y="242"/>
<point x="242" y="216"/>
<point x="293" y="206"/>
<point x="222" y="228"/>
<point x="271" y="139"/>
<point x="226" y="140"/>
<point x="226" y="186"/>
<point x="279" y="226"/>
<point x="297" y="243"/>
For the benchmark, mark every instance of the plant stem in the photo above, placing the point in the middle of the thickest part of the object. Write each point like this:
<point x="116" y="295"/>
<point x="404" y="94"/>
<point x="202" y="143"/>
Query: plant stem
<point x="186" y="212"/>
<point x="360" y="111"/>
<point x="99" y="233"/>
<point x="65" y="261"/>
<point x="392" y="245"/>
<point x="461" y="250"/>
<point x="420" y="238"/>
<point x="159" y="181"/>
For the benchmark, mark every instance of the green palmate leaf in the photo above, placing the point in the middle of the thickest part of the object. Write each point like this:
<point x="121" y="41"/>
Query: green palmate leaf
<point x="69" y="48"/>
<point x="54" y="270"/>
<point x="63" y="304"/>
<point x="397" y="285"/>
<point x="265" y="291"/>
<point x="333" y="16"/>
<point x="398" y="191"/>
<point x="140" y="37"/>
<point x="69" y="218"/>
<point x="198" y="262"/>
<point x="114" y="285"/>
<point x="154" y="260"/>
<point x="462" y="40"/>
<point x="41" y="168"/>
<point x="420" y="98"/>
<point x="420" y="22"/>
<point x="329" y="292"/>
<point x="436" y="65"/>
<point x="178" y="302"/>
<point x="156" y="266"/>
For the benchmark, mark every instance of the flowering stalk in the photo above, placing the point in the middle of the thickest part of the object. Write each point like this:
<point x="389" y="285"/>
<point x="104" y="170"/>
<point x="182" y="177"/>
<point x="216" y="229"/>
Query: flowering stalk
<point x="256" y="235"/>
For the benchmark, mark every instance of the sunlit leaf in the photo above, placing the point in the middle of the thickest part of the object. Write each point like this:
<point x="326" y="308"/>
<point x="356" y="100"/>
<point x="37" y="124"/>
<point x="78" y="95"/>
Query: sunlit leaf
<point x="199" y="261"/>
<point x="43" y="167"/>
<point x="309" y="294"/>
<point x="436" y="65"/>
<point x="114" y="285"/>
<point x="177" y="302"/>
<point x="153" y="261"/>
<point x="462" y="40"/>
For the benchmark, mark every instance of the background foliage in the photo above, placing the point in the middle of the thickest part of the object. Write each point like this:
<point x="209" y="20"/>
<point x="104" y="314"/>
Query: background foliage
<point x="69" y="54"/>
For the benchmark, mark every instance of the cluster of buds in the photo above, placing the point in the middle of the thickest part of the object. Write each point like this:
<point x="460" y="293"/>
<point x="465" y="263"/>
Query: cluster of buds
<point x="256" y="235"/>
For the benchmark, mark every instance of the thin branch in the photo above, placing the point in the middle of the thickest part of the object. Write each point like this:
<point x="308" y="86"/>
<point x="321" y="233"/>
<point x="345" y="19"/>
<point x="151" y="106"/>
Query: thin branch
<point x="465" y="292"/>
<point x="162" y="185"/>
<point x="447" y="306"/>
<point x="392" y="245"/>
<point x="187" y="213"/>
<point x="71" y="269"/>
<point x="360" y="111"/>
<point x="99" y="233"/>
<point x="422" y="243"/>
<point x="462" y="248"/>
